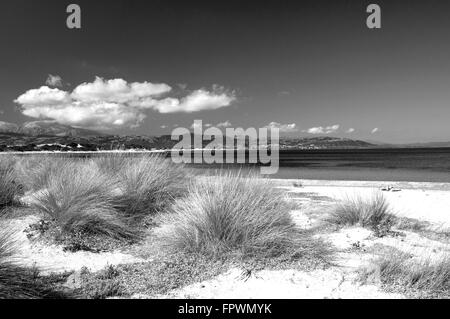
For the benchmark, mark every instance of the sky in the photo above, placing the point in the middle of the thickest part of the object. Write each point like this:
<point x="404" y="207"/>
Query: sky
<point x="308" y="67"/>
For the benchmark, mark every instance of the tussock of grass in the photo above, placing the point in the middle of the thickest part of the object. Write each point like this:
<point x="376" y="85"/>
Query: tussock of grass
<point x="18" y="282"/>
<point x="109" y="196"/>
<point x="149" y="184"/>
<point x="33" y="172"/>
<point x="8" y="188"/>
<point x="82" y="199"/>
<point x="425" y="277"/>
<point x="234" y="214"/>
<point x="373" y="212"/>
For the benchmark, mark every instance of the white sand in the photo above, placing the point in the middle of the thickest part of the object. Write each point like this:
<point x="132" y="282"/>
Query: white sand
<point x="423" y="201"/>
<point x="285" y="284"/>
<point x="52" y="258"/>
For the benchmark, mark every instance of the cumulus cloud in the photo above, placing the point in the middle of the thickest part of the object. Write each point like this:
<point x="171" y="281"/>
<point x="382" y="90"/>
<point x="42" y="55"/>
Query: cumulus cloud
<point x="54" y="80"/>
<point x="199" y="100"/>
<point x="374" y="130"/>
<point x="323" y="130"/>
<point x="44" y="96"/>
<point x="105" y="104"/>
<point x="284" y="128"/>
<point x="117" y="90"/>
<point x="350" y="130"/>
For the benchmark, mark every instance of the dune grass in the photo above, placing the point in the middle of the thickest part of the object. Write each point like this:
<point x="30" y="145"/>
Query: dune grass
<point x="17" y="282"/>
<point x="33" y="172"/>
<point x="82" y="199"/>
<point x="9" y="188"/>
<point x="148" y="184"/>
<point x="231" y="214"/>
<point x="373" y="212"/>
<point x="109" y="196"/>
<point x="422" y="277"/>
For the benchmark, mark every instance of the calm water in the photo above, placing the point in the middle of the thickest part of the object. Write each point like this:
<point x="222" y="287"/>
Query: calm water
<point x="417" y="165"/>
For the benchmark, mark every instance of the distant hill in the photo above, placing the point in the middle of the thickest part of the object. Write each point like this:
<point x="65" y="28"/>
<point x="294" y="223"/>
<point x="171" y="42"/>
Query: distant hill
<point x="322" y="142"/>
<point x="74" y="141"/>
<point x="6" y="127"/>
<point x="45" y="128"/>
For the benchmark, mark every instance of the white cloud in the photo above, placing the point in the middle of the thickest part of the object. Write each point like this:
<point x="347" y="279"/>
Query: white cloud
<point x="44" y="96"/>
<point x="163" y="126"/>
<point x="284" y="128"/>
<point x="54" y="80"/>
<point x="374" y="130"/>
<point x="323" y="130"/>
<point x="350" y="130"/>
<point x="224" y="124"/>
<point x="199" y="100"/>
<point x="117" y="90"/>
<point x="105" y="104"/>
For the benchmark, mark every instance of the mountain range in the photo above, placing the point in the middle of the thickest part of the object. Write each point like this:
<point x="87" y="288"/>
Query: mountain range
<point x="45" y="128"/>
<point x="49" y="135"/>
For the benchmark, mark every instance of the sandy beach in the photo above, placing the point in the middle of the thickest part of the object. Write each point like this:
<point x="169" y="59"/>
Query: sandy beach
<point x="422" y="201"/>
<point x="355" y="247"/>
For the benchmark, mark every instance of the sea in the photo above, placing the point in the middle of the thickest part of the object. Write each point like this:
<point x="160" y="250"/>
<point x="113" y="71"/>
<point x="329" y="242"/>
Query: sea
<point x="380" y="164"/>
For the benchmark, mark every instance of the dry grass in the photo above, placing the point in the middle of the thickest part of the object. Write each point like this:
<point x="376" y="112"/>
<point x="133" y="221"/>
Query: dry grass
<point x="33" y="172"/>
<point x="9" y="188"/>
<point x="373" y="213"/>
<point x="418" y="277"/>
<point x="232" y="213"/>
<point x="148" y="184"/>
<point x="17" y="282"/>
<point x="109" y="196"/>
<point x="82" y="199"/>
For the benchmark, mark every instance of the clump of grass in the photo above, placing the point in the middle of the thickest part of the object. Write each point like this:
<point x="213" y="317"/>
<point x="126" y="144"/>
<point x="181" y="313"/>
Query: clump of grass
<point x="373" y="213"/>
<point x="17" y="282"/>
<point x="111" y="196"/>
<point x="149" y="184"/>
<point x="82" y="199"/>
<point x="423" y="277"/>
<point x="112" y="163"/>
<point x="234" y="214"/>
<point x="33" y="172"/>
<point x="9" y="188"/>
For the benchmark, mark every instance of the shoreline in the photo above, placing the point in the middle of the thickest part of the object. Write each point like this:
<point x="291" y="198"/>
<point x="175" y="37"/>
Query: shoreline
<point x="365" y="184"/>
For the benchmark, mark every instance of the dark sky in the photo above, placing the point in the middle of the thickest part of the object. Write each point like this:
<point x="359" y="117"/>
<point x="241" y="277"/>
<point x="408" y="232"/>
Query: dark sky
<point x="312" y="63"/>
